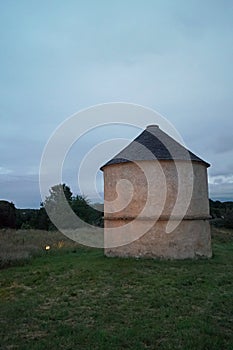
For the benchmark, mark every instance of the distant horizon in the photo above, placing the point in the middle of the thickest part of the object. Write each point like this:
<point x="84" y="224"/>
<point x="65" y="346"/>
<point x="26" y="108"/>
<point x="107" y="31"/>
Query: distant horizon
<point x="221" y="199"/>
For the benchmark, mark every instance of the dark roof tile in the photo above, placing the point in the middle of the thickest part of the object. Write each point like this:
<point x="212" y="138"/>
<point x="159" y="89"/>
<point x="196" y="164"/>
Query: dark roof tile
<point x="151" y="144"/>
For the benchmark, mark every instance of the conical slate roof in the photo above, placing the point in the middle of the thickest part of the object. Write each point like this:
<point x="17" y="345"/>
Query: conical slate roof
<point x="151" y="144"/>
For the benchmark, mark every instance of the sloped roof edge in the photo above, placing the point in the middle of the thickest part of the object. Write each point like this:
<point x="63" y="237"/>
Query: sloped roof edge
<point x="151" y="144"/>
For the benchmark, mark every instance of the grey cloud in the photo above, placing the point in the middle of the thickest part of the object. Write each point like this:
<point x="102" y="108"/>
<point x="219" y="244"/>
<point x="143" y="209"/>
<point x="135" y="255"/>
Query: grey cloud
<point x="223" y="191"/>
<point x="215" y="171"/>
<point x="23" y="191"/>
<point x="223" y="144"/>
<point x="20" y="155"/>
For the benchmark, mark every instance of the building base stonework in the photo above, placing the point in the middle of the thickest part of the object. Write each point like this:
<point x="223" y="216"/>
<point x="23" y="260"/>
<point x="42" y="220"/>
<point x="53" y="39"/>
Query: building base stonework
<point x="190" y="239"/>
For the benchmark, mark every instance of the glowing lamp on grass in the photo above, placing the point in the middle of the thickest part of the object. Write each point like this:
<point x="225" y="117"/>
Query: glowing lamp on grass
<point x="47" y="247"/>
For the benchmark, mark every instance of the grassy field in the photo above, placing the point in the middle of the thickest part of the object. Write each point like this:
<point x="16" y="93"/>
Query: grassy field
<point x="19" y="247"/>
<point x="72" y="297"/>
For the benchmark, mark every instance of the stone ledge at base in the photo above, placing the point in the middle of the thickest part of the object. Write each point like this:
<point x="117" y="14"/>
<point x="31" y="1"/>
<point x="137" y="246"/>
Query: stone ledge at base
<point x="191" y="239"/>
<point x="159" y="218"/>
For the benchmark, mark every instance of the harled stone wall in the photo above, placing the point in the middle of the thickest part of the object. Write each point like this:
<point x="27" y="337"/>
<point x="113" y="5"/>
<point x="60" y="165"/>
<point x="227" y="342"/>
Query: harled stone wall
<point x="124" y="203"/>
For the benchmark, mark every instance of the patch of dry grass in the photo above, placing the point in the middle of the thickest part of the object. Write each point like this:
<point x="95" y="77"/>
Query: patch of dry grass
<point x="221" y="234"/>
<point x="18" y="247"/>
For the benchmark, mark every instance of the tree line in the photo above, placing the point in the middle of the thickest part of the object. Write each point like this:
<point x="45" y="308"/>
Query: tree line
<point x="11" y="217"/>
<point x="221" y="213"/>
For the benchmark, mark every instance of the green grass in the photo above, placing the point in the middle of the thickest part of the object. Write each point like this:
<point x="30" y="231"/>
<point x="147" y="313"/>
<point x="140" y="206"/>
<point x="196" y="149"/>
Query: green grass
<point x="76" y="298"/>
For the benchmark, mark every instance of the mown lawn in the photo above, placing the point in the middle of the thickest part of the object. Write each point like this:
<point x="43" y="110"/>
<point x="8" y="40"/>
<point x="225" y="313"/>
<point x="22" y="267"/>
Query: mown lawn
<point x="76" y="298"/>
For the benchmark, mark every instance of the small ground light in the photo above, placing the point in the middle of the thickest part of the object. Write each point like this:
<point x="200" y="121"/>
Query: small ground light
<point x="47" y="247"/>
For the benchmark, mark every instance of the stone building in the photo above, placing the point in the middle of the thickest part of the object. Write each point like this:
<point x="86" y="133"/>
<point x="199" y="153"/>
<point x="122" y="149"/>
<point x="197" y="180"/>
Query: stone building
<point x="156" y="200"/>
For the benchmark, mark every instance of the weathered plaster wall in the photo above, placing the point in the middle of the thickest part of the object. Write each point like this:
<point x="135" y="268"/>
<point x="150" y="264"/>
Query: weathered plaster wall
<point x="126" y="187"/>
<point x="191" y="239"/>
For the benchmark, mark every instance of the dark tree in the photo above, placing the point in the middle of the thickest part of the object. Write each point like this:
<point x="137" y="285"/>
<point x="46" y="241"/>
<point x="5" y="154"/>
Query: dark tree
<point x="26" y="218"/>
<point x="43" y="222"/>
<point x="7" y="215"/>
<point x="82" y="208"/>
<point x="56" y="194"/>
<point x="80" y="205"/>
<point x="56" y="205"/>
<point x="228" y="219"/>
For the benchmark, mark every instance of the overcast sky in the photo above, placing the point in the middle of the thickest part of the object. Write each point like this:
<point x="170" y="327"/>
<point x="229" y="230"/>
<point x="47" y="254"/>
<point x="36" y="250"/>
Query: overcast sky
<point x="58" y="57"/>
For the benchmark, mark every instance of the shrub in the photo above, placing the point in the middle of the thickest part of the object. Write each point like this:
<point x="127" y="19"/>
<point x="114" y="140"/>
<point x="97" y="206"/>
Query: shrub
<point x="7" y="215"/>
<point x="228" y="219"/>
